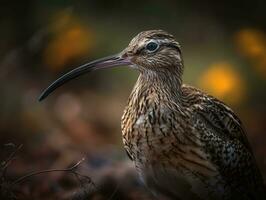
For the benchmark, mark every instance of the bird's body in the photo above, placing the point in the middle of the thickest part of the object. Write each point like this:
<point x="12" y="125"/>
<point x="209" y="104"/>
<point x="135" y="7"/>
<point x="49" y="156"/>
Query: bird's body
<point x="188" y="145"/>
<point x="185" y="144"/>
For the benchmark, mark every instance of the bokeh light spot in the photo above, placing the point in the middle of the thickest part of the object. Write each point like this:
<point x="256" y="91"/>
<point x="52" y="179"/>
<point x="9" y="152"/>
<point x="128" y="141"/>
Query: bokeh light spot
<point x="223" y="82"/>
<point x="69" y="42"/>
<point x="251" y="43"/>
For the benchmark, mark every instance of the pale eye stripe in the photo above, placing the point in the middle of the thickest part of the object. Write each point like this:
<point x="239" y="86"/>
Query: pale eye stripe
<point x="161" y="42"/>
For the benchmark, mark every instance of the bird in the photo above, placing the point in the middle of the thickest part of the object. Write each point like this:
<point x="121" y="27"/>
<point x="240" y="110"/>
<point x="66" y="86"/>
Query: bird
<point x="184" y="143"/>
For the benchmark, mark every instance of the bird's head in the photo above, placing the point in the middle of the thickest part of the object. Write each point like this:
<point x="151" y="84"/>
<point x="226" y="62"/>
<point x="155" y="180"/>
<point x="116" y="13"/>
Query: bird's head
<point x="154" y="50"/>
<point x="150" y="51"/>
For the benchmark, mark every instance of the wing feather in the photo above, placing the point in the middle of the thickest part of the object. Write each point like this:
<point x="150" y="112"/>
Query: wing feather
<point x="225" y="140"/>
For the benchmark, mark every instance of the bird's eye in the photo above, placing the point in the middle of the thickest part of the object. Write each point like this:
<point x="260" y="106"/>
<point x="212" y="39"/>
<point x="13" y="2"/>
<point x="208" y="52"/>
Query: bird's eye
<point x="152" y="46"/>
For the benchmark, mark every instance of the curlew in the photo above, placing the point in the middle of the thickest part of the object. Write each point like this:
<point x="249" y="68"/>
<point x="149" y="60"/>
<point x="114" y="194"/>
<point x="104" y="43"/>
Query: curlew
<point x="184" y="143"/>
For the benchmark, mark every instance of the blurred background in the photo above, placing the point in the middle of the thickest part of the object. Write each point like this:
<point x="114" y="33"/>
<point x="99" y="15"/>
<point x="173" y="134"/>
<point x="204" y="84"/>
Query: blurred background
<point x="224" y="47"/>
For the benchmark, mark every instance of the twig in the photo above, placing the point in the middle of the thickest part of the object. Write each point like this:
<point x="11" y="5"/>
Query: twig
<point x="114" y="192"/>
<point x="23" y="178"/>
<point x="10" y="158"/>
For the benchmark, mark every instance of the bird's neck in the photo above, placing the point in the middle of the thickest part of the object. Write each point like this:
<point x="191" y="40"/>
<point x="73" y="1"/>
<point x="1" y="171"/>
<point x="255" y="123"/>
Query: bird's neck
<point x="152" y="90"/>
<point x="157" y="86"/>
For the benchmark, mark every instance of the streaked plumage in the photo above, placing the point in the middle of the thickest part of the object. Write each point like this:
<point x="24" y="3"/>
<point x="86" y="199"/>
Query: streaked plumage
<point x="185" y="144"/>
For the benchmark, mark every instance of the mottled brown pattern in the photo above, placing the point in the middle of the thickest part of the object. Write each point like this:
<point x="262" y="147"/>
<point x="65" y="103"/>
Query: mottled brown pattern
<point x="185" y="144"/>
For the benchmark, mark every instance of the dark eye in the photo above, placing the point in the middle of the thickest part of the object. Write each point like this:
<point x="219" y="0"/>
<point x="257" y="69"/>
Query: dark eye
<point x="152" y="46"/>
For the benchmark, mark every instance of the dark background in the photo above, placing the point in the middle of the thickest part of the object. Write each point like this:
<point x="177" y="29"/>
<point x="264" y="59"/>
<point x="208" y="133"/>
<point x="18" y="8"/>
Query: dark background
<point x="224" y="46"/>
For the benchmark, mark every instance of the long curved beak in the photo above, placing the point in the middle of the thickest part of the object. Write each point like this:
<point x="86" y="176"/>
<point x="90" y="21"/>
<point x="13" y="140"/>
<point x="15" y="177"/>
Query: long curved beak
<point x="107" y="62"/>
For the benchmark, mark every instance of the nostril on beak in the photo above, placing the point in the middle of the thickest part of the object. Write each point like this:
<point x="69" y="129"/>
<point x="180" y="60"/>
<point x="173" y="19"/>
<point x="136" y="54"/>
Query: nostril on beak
<point x="125" y="54"/>
<point x="128" y="53"/>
